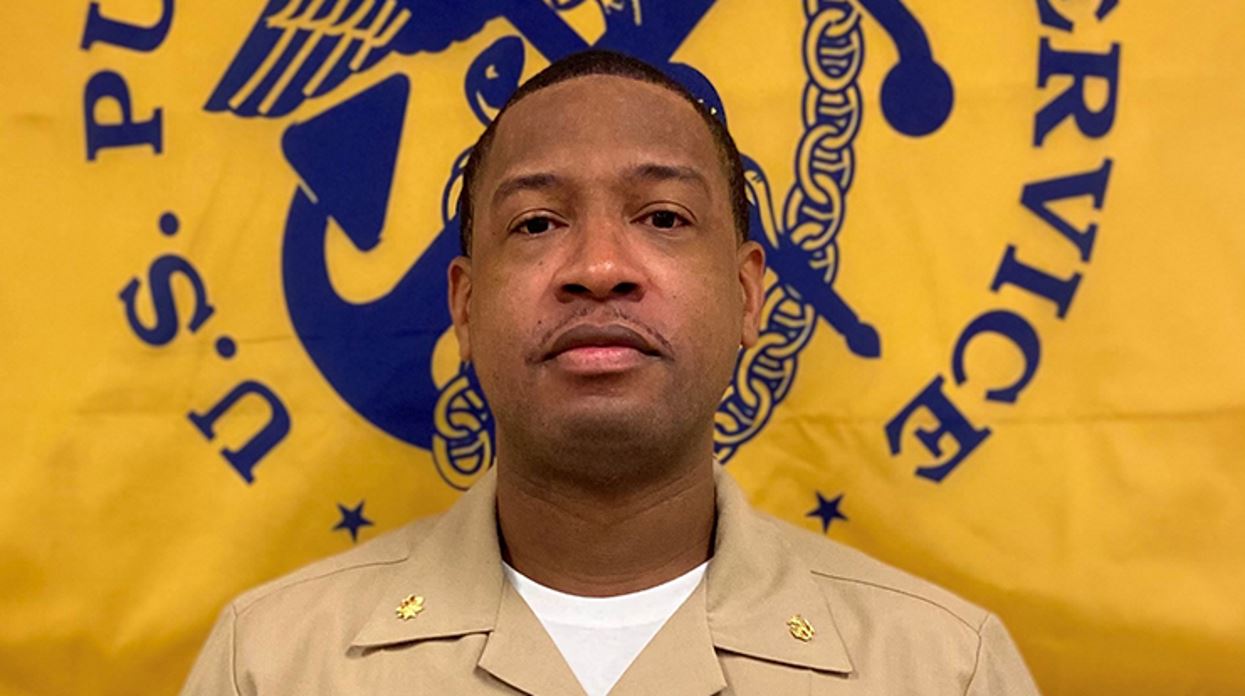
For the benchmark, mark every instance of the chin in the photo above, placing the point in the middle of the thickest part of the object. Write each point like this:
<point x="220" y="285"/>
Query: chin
<point x="605" y="444"/>
<point x="603" y="433"/>
<point x="600" y="428"/>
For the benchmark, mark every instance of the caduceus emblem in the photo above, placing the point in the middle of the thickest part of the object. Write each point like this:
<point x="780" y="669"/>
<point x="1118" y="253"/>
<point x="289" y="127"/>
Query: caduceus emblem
<point x="377" y="355"/>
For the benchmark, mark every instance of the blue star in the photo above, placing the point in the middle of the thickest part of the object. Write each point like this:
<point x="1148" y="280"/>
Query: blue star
<point x="827" y="511"/>
<point x="352" y="520"/>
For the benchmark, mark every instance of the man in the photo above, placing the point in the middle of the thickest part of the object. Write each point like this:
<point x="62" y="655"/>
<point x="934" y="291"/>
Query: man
<point x="605" y="288"/>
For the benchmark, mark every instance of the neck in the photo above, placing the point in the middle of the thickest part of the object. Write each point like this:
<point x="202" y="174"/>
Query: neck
<point x="604" y="540"/>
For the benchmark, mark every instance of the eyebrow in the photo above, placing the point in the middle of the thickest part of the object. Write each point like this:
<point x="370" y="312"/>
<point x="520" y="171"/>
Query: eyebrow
<point x="648" y="171"/>
<point x="653" y="171"/>
<point x="539" y="181"/>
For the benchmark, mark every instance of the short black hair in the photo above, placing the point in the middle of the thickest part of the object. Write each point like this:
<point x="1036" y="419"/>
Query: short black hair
<point x="600" y="62"/>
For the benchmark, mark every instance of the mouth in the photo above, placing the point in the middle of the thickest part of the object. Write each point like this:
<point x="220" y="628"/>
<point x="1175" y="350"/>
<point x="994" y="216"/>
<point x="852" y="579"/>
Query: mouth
<point x="587" y="348"/>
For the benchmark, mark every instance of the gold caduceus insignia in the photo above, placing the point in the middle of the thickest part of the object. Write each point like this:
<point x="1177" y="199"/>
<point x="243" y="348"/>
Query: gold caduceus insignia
<point x="801" y="629"/>
<point x="410" y="607"/>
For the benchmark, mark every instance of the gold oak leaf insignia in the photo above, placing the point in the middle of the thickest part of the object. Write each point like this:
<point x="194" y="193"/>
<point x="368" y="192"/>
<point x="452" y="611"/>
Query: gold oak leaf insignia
<point x="410" y="607"/>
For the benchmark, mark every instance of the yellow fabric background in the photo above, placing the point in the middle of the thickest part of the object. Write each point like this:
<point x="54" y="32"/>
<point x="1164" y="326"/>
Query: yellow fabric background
<point x="1102" y="519"/>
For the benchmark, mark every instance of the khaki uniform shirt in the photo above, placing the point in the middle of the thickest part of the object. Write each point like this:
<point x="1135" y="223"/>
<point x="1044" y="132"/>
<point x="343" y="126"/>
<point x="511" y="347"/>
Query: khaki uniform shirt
<point x="333" y="627"/>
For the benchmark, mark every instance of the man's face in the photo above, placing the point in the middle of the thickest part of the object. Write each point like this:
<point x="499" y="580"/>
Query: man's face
<point x="607" y="295"/>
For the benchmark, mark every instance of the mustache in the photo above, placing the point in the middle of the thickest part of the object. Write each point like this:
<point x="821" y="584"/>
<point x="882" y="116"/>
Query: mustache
<point x="613" y="322"/>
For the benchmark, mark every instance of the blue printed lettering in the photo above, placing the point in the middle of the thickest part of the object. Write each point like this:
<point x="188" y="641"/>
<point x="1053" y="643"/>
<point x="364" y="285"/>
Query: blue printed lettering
<point x="951" y="423"/>
<point x="160" y="277"/>
<point x="1057" y="20"/>
<point x="247" y="457"/>
<point x="127" y="132"/>
<point x="1036" y="197"/>
<point x="1080" y="66"/>
<point x="1013" y="327"/>
<point x="1039" y="282"/>
<point x="124" y="34"/>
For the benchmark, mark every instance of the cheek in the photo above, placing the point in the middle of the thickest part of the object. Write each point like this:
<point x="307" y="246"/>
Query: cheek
<point x="495" y="350"/>
<point x="505" y="316"/>
<point x="711" y="311"/>
<point x="495" y="323"/>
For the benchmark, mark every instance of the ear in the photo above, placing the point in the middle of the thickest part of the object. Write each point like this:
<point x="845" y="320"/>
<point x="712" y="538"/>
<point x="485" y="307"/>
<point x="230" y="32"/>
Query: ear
<point x="750" y="260"/>
<point x="459" y="278"/>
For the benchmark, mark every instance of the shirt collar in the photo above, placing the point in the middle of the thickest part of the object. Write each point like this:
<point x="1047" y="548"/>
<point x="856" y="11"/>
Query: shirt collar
<point x="456" y="568"/>
<point x="755" y="584"/>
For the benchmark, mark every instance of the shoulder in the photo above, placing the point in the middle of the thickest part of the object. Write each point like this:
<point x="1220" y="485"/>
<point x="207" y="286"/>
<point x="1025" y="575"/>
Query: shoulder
<point x="894" y="623"/>
<point x="269" y="633"/>
<point x="871" y="598"/>
<point x="345" y="580"/>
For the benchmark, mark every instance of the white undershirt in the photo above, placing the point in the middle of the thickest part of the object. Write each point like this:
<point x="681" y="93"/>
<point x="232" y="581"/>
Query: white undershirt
<point x="601" y="636"/>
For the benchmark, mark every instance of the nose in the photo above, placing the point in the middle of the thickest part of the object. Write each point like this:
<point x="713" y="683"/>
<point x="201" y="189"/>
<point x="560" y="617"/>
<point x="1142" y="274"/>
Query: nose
<point x="601" y="264"/>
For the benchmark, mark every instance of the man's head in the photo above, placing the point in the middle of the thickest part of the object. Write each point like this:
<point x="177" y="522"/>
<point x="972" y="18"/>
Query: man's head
<point x="609" y="283"/>
<point x="598" y="62"/>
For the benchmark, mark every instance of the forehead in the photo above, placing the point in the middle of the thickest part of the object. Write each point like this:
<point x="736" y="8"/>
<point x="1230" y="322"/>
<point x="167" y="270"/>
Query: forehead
<point x="601" y="123"/>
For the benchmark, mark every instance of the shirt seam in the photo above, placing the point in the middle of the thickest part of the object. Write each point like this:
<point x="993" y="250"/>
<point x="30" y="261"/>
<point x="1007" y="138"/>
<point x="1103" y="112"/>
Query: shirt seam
<point x="905" y="593"/>
<point x="981" y="643"/>
<point x="233" y="650"/>
<point x="264" y="594"/>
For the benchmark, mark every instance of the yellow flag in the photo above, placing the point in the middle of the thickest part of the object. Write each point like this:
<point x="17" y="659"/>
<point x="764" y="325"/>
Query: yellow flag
<point x="1000" y="345"/>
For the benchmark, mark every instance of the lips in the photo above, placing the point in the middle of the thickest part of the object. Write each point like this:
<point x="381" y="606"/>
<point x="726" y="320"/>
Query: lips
<point x="605" y="336"/>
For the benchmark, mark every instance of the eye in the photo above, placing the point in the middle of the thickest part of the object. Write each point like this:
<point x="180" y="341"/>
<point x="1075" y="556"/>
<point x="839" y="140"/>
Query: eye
<point x="665" y="219"/>
<point x="534" y="225"/>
